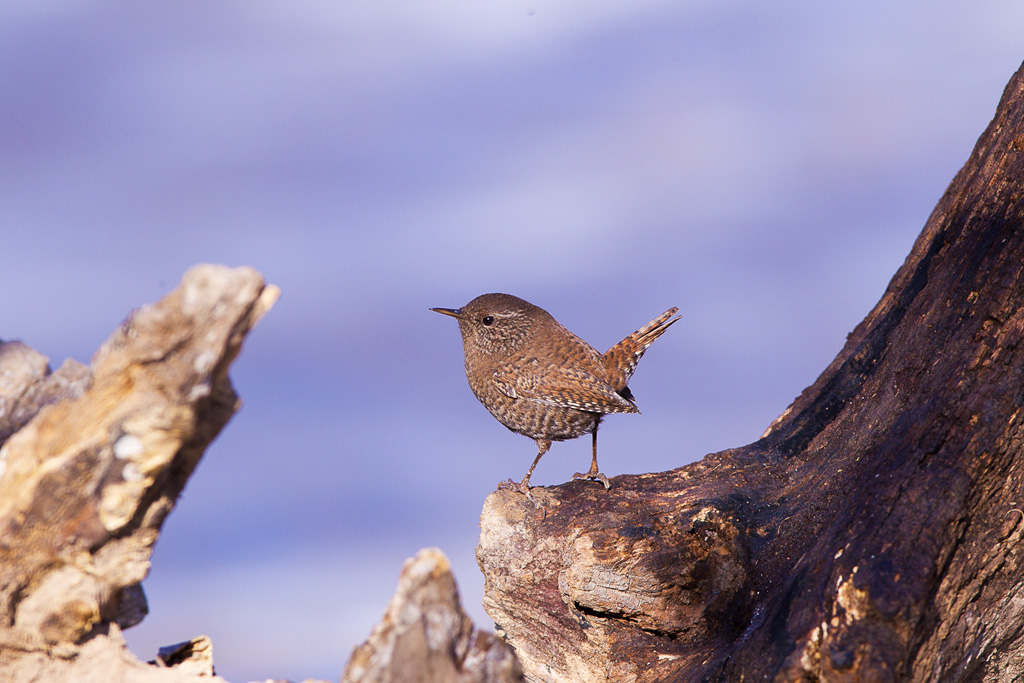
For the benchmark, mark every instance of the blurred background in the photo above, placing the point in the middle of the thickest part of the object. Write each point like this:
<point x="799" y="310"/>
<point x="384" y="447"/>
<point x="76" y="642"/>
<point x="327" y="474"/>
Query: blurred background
<point x="766" y="167"/>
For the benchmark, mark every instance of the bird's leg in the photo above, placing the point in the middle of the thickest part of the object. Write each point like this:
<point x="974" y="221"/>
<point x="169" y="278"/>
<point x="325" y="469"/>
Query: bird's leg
<point x="592" y="473"/>
<point x="524" y="486"/>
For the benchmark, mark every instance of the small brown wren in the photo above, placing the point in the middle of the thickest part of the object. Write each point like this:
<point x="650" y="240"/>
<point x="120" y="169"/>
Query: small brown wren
<point x="541" y="380"/>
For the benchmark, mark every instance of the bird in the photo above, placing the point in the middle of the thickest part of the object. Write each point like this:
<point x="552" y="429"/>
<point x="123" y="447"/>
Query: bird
<point x="541" y="380"/>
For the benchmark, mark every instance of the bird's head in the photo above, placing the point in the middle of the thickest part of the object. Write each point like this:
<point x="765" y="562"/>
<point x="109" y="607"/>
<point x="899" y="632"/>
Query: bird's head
<point x="495" y="324"/>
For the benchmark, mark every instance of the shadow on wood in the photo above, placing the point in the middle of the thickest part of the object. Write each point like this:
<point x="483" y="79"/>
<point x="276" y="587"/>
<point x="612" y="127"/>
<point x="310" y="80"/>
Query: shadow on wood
<point x="872" y="534"/>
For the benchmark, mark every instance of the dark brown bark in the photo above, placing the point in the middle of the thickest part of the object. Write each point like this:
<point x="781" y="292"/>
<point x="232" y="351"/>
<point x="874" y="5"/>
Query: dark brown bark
<point x="872" y="534"/>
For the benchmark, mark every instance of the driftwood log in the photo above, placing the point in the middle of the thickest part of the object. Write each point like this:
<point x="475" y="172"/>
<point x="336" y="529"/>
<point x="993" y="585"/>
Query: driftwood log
<point x="874" y="533"/>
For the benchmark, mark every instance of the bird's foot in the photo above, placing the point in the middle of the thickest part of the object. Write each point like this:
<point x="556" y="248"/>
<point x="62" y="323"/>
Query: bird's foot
<point x="522" y="487"/>
<point x="592" y="473"/>
<point x="509" y="485"/>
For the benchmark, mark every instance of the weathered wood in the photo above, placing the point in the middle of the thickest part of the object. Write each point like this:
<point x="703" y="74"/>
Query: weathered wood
<point x="872" y="534"/>
<point x="93" y="459"/>
<point x="426" y="636"/>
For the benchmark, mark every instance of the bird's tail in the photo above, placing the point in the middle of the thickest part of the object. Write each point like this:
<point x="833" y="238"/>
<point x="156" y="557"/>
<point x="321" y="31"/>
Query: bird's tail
<point x="621" y="359"/>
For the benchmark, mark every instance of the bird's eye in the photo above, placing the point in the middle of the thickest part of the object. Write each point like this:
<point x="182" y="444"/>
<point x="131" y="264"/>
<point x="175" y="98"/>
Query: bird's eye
<point x="488" y="320"/>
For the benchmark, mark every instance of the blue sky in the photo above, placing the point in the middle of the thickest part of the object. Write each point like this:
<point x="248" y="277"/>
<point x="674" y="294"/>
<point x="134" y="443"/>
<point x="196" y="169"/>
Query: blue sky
<point x="763" y="166"/>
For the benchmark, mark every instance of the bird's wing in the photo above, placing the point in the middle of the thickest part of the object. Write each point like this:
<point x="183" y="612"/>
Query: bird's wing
<point x="565" y="387"/>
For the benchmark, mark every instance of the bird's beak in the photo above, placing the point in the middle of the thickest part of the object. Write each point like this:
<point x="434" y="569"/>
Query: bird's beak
<point x="453" y="312"/>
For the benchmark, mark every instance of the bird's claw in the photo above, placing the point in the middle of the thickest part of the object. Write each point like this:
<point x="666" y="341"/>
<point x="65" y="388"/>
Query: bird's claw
<point x="522" y="487"/>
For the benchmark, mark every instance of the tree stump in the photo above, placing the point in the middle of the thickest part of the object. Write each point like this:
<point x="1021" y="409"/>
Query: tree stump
<point x="874" y="533"/>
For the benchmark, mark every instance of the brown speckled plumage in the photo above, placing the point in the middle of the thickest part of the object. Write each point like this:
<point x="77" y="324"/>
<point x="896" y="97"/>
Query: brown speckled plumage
<point x="541" y="380"/>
